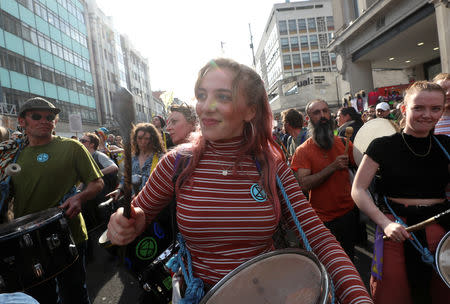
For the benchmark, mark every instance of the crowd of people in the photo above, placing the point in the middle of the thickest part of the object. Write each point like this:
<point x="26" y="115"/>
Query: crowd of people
<point x="237" y="179"/>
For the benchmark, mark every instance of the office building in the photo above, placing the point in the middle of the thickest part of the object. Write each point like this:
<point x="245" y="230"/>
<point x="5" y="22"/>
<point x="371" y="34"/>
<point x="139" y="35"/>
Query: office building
<point x="44" y="52"/>
<point x="410" y="36"/>
<point x="294" y="44"/>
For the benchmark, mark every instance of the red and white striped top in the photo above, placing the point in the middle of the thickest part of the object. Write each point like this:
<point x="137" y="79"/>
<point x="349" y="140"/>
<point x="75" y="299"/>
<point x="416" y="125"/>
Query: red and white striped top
<point x="224" y="226"/>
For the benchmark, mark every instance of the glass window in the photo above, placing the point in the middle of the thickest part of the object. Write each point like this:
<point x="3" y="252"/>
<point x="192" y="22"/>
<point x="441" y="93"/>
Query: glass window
<point x="32" y="70"/>
<point x="287" y="62"/>
<point x="315" y="58"/>
<point x="312" y="24"/>
<point x="292" y="26"/>
<point x="323" y="41"/>
<point x="284" y="44"/>
<point x="313" y="42"/>
<point x="59" y="80"/>
<point x="47" y="75"/>
<point x="330" y="23"/>
<point x="26" y="32"/>
<point x="304" y="42"/>
<point x="306" y="60"/>
<point x="302" y="25"/>
<point x="282" y="27"/>
<point x="48" y="45"/>
<point x="325" y="58"/>
<point x="321" y="24"/>
<point x="333" y="58"/>
<point x="3" y="58"/>
<point x="296" y="61"/>
<point x="294" y="44"/>
<point x="15" y="63"/>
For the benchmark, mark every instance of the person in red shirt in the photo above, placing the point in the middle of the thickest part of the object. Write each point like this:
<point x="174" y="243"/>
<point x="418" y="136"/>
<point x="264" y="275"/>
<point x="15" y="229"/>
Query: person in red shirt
<point x="222" y="220"/>
<point x="321" y="166"/>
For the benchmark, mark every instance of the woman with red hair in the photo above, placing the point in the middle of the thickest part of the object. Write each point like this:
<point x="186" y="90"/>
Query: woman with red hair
<point x="221" y="219"/>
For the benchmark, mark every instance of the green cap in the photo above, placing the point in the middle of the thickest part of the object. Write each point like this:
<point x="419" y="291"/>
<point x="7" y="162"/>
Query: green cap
<point x="38" y="103"/>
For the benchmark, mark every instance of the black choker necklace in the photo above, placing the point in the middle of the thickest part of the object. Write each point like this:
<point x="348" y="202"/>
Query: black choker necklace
<point x="412" y="151"/>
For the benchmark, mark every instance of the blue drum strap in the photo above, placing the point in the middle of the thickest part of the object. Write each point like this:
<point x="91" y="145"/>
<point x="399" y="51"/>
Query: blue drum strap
<point x="297" y="222"/>
<point x="427" y="257"/>
<point x="442" y="147"/>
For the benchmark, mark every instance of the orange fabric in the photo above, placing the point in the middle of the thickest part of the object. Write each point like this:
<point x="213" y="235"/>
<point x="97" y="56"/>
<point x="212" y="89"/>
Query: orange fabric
<point x="332" y="198"/>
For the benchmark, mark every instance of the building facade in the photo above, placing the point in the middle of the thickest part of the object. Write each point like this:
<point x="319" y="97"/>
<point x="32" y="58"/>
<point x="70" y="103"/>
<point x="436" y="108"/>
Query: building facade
<point x="294" y="43"/>
<point x="116" y="63"/>
<point x="138" y="80"/>
<point x="411" y="36"/>
<point x="44" y="52"/>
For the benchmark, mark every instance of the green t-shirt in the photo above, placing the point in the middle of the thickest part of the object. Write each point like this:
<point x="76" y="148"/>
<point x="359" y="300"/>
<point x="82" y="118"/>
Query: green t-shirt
<point x="48" y="173"/>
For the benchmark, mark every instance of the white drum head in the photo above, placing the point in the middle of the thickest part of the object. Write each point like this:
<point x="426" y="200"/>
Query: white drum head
<point x="372" y="129"/>
<point x="443" y="259"/>
<point x="276" y="277"/>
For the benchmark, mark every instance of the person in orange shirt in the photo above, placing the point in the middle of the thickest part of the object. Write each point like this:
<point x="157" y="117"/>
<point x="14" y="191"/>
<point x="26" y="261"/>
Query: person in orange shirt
<point x="321" y="167"/>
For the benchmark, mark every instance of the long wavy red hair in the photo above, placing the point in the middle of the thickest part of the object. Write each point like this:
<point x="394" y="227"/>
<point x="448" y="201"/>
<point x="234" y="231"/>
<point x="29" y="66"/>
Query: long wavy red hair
<point x="259" y="143"/>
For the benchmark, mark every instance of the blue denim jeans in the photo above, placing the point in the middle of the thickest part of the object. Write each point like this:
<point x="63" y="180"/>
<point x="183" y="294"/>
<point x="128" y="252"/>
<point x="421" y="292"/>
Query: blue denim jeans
<point x="17" y="298"/>
<point x="69" y="287"/>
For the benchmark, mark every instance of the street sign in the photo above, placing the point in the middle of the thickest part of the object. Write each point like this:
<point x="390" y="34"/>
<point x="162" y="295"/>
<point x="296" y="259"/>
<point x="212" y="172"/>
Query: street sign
<point x="75" y="123"/>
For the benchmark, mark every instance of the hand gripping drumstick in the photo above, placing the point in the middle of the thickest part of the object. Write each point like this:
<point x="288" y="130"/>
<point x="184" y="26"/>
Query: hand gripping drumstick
<point x="348" y="134"/>
<point x="435" y="219"/>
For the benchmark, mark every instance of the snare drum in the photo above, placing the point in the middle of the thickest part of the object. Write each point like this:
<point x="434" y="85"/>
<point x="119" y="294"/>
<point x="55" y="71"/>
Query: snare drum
<point x="443" y="258"/>
<point x="156" y="280"/>
<point x="145" y="249"/>
<point x="148" y="246"/>
<point x="34" y="248"/>
<point x="281" y="276"/>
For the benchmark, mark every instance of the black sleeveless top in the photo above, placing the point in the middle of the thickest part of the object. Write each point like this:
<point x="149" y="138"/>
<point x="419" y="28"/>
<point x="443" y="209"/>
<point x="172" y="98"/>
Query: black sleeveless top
<point x="406" y="175"/>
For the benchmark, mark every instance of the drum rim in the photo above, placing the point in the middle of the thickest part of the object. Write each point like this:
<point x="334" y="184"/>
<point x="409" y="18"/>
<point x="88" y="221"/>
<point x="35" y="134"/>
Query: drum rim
<point x="58" y="213"/>
<point x="325" y="281"/>
<point x="436" y="257"/>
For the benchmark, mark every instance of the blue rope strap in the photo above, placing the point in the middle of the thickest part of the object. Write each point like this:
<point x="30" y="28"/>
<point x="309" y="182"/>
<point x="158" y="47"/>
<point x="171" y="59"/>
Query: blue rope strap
<point x="300" y="230"/>
<point x="195" y="287"/>
<point x="427" y="257"/>
<point x="442" y="147"/>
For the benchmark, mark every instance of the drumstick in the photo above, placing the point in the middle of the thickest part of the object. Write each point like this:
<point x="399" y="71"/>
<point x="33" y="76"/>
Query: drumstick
<point x="426" y="222"/>
<point x="123" y="106"/>
<point x="348" y="134"/>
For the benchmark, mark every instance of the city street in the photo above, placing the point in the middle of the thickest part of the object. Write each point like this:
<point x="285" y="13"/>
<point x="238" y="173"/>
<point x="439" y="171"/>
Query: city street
<point x="109" y="283"/>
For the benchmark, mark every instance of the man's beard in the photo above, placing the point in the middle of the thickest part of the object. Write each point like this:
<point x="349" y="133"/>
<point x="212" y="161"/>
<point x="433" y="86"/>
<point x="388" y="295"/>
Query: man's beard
<point x="322" y="133"/>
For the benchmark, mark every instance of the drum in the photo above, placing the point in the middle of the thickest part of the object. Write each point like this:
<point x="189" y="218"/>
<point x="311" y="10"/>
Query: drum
<point x="372" y="129"/>
<point x="156" y="280"/>
<point x="34" y="248"/>
<point x="442" y="258"/>
<point x="281" y="276"/>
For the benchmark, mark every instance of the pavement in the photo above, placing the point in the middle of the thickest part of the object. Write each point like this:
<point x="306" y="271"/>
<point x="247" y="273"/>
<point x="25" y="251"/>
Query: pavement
<point x="110" y="283"/>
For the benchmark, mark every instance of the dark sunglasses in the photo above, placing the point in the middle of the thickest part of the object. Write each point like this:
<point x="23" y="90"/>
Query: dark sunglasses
<point x="36" y="116"/>
<point x="84" y="141"/>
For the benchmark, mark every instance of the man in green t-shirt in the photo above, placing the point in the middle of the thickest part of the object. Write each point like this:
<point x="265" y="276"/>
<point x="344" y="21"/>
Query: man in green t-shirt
<point x="51" y="167"/>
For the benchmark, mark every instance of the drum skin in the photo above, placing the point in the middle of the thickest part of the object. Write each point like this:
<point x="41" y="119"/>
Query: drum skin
<point x="34" y="248"/>
<point x="443" y="258"/>
<point x="372" y="129"/>
<point x="285" y="276"/>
